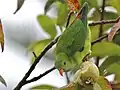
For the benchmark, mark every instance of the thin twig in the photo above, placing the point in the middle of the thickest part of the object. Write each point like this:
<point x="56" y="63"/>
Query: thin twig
<point x="68" y="19"/>
<point x="40" y="76"/>
<point x="104" y="22"/>
<point x="101" y="18"/>
<point x="101" y="27"/>
<point x="99" y="39"/>
<point x="22" y="82"/>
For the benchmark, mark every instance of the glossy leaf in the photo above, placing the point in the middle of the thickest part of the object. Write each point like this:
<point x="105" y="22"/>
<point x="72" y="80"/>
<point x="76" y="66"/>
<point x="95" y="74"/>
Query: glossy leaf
<point x="103" y="83"/>
<point x="2" y="80"/>
<point x="105" y="49"/>
<point x="39" y="46"/>
<point x="19" y="4"/>
<point x="44" y="87"/>
<point x="1" y="37"/>
<point x="62" y="14"/>
<point x="47" y="24"/>
<point x="109" y="61"/>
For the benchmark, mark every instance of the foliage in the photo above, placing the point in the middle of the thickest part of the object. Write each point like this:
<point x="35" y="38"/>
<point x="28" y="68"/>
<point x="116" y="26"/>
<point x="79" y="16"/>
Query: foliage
<point x="108" y="50"/>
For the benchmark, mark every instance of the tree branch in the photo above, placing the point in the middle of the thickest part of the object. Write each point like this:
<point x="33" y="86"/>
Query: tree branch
<point x="40" y="76"/>
<point x="99" y="39"/>
<point x="104" y="22"/>
<point x="25" y="81"/>
<point x="101" y="18"/>
<point x="50" y="70"/>
<point x="101" y="28"/>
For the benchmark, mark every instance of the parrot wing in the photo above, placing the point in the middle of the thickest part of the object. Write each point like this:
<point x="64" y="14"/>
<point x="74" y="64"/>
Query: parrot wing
<point x="72" y="39"/>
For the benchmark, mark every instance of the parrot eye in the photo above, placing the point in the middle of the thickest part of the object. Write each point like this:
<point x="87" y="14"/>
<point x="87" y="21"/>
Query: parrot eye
<point x="81" y="49"/>
<point x="64" y="63"/>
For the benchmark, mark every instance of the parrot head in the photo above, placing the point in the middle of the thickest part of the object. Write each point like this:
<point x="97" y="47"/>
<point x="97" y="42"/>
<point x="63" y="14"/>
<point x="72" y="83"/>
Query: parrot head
<point x="63" y="63"/>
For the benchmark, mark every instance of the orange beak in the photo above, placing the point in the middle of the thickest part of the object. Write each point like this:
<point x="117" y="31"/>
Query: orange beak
<point x="61" y="71"/>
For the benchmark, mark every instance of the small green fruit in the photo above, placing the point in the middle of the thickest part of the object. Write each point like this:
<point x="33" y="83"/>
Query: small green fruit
<point x="87" y="74"/>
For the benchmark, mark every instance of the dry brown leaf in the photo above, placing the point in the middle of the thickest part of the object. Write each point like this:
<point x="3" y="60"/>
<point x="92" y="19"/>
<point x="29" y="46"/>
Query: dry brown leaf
<point x="74" y="5"/>
<point x="115" y="85"/>
<point x="1" y="37"/>
<point x="113" y="31"/>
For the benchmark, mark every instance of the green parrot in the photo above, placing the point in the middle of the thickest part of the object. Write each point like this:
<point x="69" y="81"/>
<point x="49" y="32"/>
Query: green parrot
<point x="74" y="44"/>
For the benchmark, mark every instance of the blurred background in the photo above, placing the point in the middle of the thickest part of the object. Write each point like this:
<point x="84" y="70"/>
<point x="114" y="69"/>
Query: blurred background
<point x="21" y="30"/>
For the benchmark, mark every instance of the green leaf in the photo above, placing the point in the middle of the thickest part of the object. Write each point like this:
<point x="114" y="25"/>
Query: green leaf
<point x="62" y="14"/>
<point x="110" y="15"/>
<point x="113" y="69"/>
<point x="49" y="3"/>
<point x="2" y="81"/>
<point x="117" y="77"/>
<point x="19" y="4"/>
<point x="115" y="4"/>
<point x="94" y="32"/>
<point x="48" y="25"/>
<point x="109" y="61"/>
<point x="95" y="15"/>
<point x="44" y="87"/>
<point x="91" y="4"/>
<point x="39" y="46"/>
<point x="103" y="83"/>
<point x="116" y="38"/>
<point x="73" y="86"/>
<point x="105" y="49"/>
<point x="96" y="87"/>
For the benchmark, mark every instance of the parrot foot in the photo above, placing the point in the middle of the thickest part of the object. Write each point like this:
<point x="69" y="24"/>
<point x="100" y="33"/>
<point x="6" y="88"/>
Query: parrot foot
<point x="70" y="84"/>
<point x="86" y="57"/>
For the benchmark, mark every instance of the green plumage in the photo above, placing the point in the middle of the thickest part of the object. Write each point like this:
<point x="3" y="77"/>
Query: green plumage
<point x="73" y="39"/>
